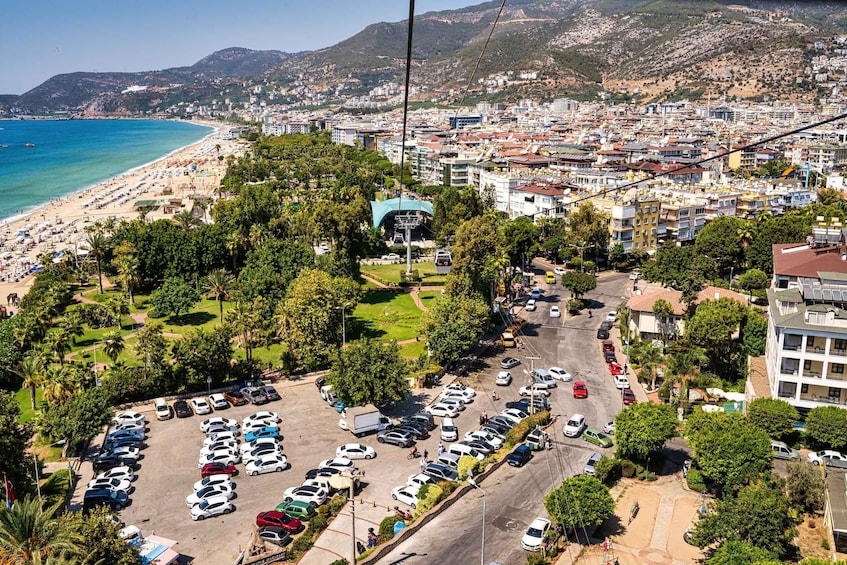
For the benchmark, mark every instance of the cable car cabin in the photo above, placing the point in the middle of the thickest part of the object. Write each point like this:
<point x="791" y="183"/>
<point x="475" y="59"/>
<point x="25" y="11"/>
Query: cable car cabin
<point x="398" y="239"/>
<point x="443" y="262"/>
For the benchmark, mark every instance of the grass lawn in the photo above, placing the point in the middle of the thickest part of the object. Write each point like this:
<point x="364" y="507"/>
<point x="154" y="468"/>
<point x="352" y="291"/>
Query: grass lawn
<point x="392" y="272"/>
<point x="385" y="315"/>
<point x="22" y="397"/>
<point x="428" y="297"/>
<point x="264" y="354"/>
<point x="205" y="314"/>
<point x="413" y="350"/>
<point x="127" y="356"/>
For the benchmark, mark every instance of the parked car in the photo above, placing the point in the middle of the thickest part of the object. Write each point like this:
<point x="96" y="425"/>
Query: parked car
<point x="539" y="403"/>
<point x="419" y="479"/>
<point x="466" y="396"/>
<point x="221" y="489"/>
<point x="229" y="445"/>
<point x="118" y="473"/>
<point x="621" y="382"/>
<point x="182" y="409"/>
<point x="504" y="378"/>
<point x="219" y="437"/>
<point x="781" y="450"/>
<point x="575" y="425"/>
<point x="210" y="469"/>
<point x="310" y="494"/>
<point x="264" y="416"/>
<point x="534" y="390"/>
<point x="107" y="461"/>
<point x="416" y="429"/>
<point x="535" y="533"/>
<point x="610" y="357"/>
<point x="116" y="500"/>
<point x="440" y="472"/>
<point x="602" y="334"/>
<point x="296" y="509"/>
<point x="260" y="451"/>
<point x="558" y="271"/>
<point x="323" y="472"/>
<point x="514" y="414"/>
<point x="114" y="483"/>
<point x="254" y="395"/>
<point x="506" y="423"/>
<point x="509" y="363"/>
<point x="580" y="390"/>
<point x="449" y="431"/>
<point x="137" y="435"/>
<point x="262" y="433"/>
<point x="268" y="463"/>
<point x="220" y="456"/>
<point x="279" y="519"/>
<point x="543" y="379"/>
<point x="829" y="458"/>
<point x="612" y="316"/>
<point x="249" y="446"/>
<point x="406" y="494"/>
<point x="596" y="437"/>
<point x="396" y="437"/>
<point x="628" y="396"/>
<point x="218" y="401"/>
<point x="274" y="535"/>
<point x="200" y="406"/>
<point x="560" y="374"/>
<point x="481" y="446"/>
<point x="271" y="394"/>
<point x="591" y="464"/>
<point x="487" y="437"/>
<point x="462" y="387"/>
<point x="555" y="312"/>
<point x="213" y="480"/>
<point x="129" y="416"/>
<point x="420" y="418"/>
<point x="520" y="456"/>
<point x="208" y="423"/>
<point x="390" y="257"/>
<point x="609" y="427"/>
<point x="343" y="464"/>
<point x="606" y="325"/>
<point x="616" y="369"/>
<point x="211" y="507"/>
<point x="441" y="409"/>
<point x="531" y="305"/>
<point x="355" y="451"/>
<point x="235" y="398"/>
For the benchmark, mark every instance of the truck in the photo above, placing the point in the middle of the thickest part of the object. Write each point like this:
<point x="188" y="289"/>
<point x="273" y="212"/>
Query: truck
<point x="361" y="420"/>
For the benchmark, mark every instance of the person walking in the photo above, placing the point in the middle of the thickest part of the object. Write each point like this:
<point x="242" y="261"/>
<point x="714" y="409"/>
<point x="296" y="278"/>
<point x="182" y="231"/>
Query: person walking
<point x="440" y="448"/>
<point x="426" y="455"/>
<point x="423" y="464"/>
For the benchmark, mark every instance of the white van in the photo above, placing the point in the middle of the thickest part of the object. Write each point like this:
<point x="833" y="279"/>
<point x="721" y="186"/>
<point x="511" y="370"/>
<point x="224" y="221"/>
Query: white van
<point x="163" y="411"/>
<point x="328" y="395"/>
<point x="544" y="378"/>
<point x="462" y="449"/>
<point x="449" y="431"/>
<point x="449" y="460"/>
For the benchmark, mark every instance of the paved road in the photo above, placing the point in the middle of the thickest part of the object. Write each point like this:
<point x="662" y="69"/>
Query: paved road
<point x="514" y="497"/>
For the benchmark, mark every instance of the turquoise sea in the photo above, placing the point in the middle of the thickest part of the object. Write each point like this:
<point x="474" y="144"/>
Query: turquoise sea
<point x="70" y="155"/>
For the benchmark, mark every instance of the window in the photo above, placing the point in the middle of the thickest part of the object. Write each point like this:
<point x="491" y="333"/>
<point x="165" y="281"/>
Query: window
<point x="807" y="365"/>
<point x="810" y="341"/>
<point x="838" y="368"/>
<point x="840" y="344"/>
<point x="804" y="389"/>
<point x="834" y="392"/>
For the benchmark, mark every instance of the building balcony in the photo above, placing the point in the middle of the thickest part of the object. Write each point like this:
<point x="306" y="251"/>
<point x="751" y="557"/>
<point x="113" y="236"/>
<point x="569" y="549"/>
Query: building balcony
<point x="790" y="347"/>
<point x="822" y="398"/>
<point x="839" y="352"/>
<point x="815" y="349"/>
<point x="788" y="372"/>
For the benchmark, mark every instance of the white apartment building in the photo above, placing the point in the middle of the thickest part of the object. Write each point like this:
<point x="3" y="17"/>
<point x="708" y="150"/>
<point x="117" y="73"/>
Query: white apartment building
<point x="535" y="201"/>
<point x="806" y="352"/>
<point x="500" y="183"/>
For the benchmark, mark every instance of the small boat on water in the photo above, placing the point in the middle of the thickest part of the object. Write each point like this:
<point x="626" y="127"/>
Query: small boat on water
<point x="3" y="145"/>
<point x="30" y="145"/>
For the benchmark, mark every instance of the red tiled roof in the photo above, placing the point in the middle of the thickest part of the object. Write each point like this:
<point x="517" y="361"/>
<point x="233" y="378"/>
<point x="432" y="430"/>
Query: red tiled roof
<point x="536" y="189"/>
<point x="806" y="262"/>
<point x="645" y="302"/>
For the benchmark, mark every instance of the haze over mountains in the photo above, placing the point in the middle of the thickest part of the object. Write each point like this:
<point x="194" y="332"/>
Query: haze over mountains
<point x="634" y="49"/>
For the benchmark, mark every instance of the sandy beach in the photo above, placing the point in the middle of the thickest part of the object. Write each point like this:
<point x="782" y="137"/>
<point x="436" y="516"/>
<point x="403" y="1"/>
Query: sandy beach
<point x="172" y="182"/>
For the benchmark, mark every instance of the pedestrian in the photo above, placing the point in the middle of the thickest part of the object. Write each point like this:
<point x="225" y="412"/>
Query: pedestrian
<point x="426" y="455"/>
<point x="423" y="464"/>
<point x="481" y="419"/>
<point x="440" y="448"/>
<point x="484" y="417"/>
<point x="494" y="395"/>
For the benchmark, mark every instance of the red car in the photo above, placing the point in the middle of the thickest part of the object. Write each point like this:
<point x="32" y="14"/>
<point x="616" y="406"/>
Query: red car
<point x="628" y="396"/>
<point x="580" y="390"/>
<point x="279" y="520"/>
<point x="615" y="369"/>
<point x="210" y="469"/>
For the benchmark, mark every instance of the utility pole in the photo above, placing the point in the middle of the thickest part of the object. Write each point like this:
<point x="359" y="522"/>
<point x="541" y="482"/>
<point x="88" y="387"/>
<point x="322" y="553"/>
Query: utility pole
<point x="407" y="222"/>
<point x="353" y="517"/>
<point x="532" y="384"/>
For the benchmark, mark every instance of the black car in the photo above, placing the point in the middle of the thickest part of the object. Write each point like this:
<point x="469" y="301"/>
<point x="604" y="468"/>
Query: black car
<point x="319" y="382"/>
<point x="107" y="461"/>
<point x="116" y="500"/>
<point x="482" y="446"/>
<point x="112" y="443"/>
<point x="495" y="428"/>
<point x="540" y="403"/>
<point x="440" y="472"/>
<point x="520" y="456"/>
<point x="324" y="472"/>
<point x="182" y="409"/>
<point x="416" y="432"/>
<point x="271" y="393"/>
<point x="610" y="357"/>
<point x="602" y="334"/>
<point x="424" y="418"/>
<point x="509" y="362"/>
<point x="397" y="437"/>
<point x="606" y="325"/>
<point x="501" y="421"/>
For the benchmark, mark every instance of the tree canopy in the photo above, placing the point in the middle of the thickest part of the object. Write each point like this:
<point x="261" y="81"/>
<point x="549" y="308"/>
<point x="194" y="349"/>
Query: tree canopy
<point x="641" y="429"/>
<point x="368" y="372"/>
<point x="579" y="502"/>
<point x="827" y="425"/>
<point x="773" y="415"/>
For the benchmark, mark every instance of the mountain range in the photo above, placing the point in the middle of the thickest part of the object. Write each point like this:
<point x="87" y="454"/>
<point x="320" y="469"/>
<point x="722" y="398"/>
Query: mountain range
<point x="637" y="50"/>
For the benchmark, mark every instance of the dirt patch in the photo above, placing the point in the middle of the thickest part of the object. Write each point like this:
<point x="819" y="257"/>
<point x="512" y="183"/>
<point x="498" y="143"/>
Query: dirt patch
<point x="809" y="536"/>
<point x="684" y="514"/>
<point x="639" y="532"/>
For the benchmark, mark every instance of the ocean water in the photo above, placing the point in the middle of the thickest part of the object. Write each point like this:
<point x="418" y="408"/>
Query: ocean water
<point x="71" y="155"/>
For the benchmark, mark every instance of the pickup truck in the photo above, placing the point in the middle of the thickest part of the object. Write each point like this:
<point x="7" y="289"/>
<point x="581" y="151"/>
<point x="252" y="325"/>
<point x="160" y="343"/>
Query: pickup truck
<point x="828" y="458"/>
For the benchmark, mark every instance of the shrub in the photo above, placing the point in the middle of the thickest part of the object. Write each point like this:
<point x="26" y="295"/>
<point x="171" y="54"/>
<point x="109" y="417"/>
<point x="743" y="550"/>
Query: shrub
<point x="536" y="559"/>
<point x="423" y="491"/>
<point x="695" y="480"/>
<point x="340" y="562"/>
<point x="825" y="543"/>
<point x="646" y="475"/>
<point x="468" y="465"/>
<point x="434" y="494"/>
<point x="517" y="434"/>
<point x="386" y="527"/>
<point x="447" y="487"/>
<point x="805" y="486"/>
<point x="608" y="470"/>
<point x="318" y="523"/>
<point x="628" y="469"/>
<point x="302" y="544"/>
<point x="336" y="504"/>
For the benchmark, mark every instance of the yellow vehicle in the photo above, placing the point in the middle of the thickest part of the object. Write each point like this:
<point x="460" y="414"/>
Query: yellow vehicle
<point x="550" y="277"/>
<point x="517" y="324"/>
<point x="508" y="338"/>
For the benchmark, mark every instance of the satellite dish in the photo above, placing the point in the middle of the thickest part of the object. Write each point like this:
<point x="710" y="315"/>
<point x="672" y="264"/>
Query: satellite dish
<point x="631" y="194"/>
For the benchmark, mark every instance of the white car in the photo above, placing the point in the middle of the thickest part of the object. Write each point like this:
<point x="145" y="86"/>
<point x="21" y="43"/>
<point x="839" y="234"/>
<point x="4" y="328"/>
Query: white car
<point x="114" y="483"/>
<point x="531" y="305"/>
<point x="263" y="416"/>
<point x="555" y="312"/>
<point x="456" y="403"/>
<point x="560" y="374"/>
<point x="130" y="425"/>
<point x="310" y="494"/>
<point x="129" y="416"/>
<point x="534" y="390"/>
<point x="827" y="457"/>
<point x="343" y="464"/>
<point x="609" y="428"/>
<point x="612" y="316"/>
<point x="213" y="480"/>
<point x="211" y="507"/>
<point x="230" y="446"/>
<point x="465" y="396"/>
<point x="118" y="473"/>
<point x="225" y="457"/>
<point x="441" y="409"/>
<point x="419" y="479"/>
<point x="261" y="451"/>
<point x="390" y="257"/>
<point x="406" y="495"/>
<point x="200" y="406"/>
<point x="514" y="414"/>
<point x="251" y="445"/>
<point x="535" y="294"/>
<point x="504" y="378"/>
<point x="534" y="536"/>
<point x="575" y="425"/>
<point x="267" y="464"/>
<point x="218" y="401"/>
<point x="221" y="436"/>
<point x="125" y="451"/>
<point x="621" y="382"/>
<point x="463" y="387"/>
<point x="355" y="451"/>
<point x="217" y="421"/>
<point x="484" y="436"/>
<point x="221" y="489"/>
<point x="558" y="271"/>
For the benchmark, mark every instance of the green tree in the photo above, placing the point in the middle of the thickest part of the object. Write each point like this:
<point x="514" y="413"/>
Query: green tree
<point x="754" y="279"/>
<point x="175" y="297"/>
<point x="186" y="220"/>
<point x="773" y="415"/>
<point x="219" y="284"/>
<point x="79" y="419"/>
<point x="618" y="257"/>
<point x="451" y="206"/>
<point x="10" y="353"/>
<point x="643" y="428"/>
<point x="71" y="324"/>
<point x="203" y="353"/>
<point x="449" y="341"/>
<point x="781" y="229"/>
<point x="713" y="327"/>
<point x="827" y="426"/>
<point x="588" y="228"/>
<point x="31" y="372"/>
<point x="475" y="251"/>
<point x="520" y="239"/>
<point x="719" y="240"/>
<point x="805" y="487"/>
<point x="754" y="335"/>
<point x="98" y="246"/>
<point x="113" y="345"/>
<point x="663" y="311"/>
<point x="127" y="274"/>
<point x="728" y="450"/>
<point x="14" y="443"/>
<point x="649" y="358"/>
<point x="118" y="308"/>
<point x="151" y="346"/>
<point x="58" y="343"/>
<point x="579" y="283"/>
<point x="368" y="372"/>
<point x="741" y="553"/>
<point x="759" y="515"/>
<point x="100" y="535"/>
<point x="579" y="502"/>
<point x="271" y="269"/>
<point x="453" y="324"/>
<point x="30" y="535"/>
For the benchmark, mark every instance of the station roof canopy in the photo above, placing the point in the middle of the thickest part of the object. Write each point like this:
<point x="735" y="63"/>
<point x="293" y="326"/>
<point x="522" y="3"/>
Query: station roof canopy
<point x="382" y="209"/>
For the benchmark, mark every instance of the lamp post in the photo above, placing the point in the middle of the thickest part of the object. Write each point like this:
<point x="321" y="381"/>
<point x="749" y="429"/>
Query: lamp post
<point x="472" y="482"/>
<point x="343" y="323"/>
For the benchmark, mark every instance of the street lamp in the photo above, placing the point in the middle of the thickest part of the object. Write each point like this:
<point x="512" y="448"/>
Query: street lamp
<point x="343" y="323"/>
<point x="472" y="482"/>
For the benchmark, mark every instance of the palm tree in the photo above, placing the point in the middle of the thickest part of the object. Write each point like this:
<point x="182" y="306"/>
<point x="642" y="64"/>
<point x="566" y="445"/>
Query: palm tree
<point x="650" y="357"/>
<point x="244" y="318"/>
<point x="186" y="220"/>
<point x="30" y="535"/>
<point x="71" y="324"/>
<point x="98" y="244"/>
<point x="127" y="267"/>
<point x="662" y="310"/>
<point x="114" y="345"/>
<point x="60" y="384"/>
<point x="118" y="308"/>
<point x="57" y="342"/>
<point x="219" y="284"/>
<point x="31" y="370"/>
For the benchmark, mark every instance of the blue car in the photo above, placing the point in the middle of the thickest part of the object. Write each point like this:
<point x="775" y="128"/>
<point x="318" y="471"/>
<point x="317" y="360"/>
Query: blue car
<point x="267" y="431"/>
<point x="340" y="406"/>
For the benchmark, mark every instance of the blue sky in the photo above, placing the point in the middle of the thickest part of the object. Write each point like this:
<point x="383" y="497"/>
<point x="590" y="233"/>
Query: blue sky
<point x="42" y="38"/>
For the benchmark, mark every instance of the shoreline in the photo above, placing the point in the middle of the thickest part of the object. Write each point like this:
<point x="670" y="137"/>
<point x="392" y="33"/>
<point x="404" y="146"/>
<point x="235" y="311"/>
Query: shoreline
<point x="174" y="181"/>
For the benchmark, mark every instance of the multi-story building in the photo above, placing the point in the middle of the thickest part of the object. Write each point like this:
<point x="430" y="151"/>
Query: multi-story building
<point x="806" y="352"/>
<point x="633" y="222"/>
<point x="684" y="218"/>
<point x="535" y="200"/>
